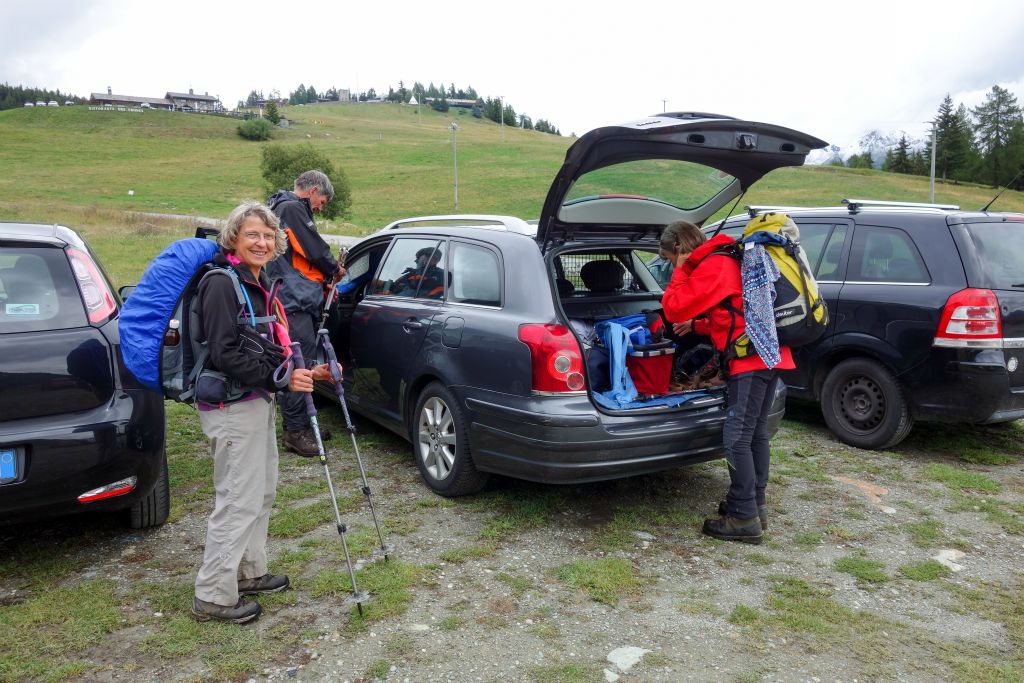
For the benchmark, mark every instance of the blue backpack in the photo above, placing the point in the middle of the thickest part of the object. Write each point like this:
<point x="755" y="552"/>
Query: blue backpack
<point x="166" y="293"/>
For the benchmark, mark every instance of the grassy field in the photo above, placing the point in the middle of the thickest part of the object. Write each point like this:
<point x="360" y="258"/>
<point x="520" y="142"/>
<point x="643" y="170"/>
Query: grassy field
<point x="54" y="162"/>
<point x="76" y="166"/>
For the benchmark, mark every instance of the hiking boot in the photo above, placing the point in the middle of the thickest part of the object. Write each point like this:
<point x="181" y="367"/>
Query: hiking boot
<point x="242" y="612"/>
<point x="303" y="443"/>
<point x="732" y="529"/>
<point x="762" y="513"/>
<point x="268" y="583"/>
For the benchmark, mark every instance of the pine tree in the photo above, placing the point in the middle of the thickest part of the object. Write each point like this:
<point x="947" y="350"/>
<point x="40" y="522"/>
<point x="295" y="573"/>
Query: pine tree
<point x="996" y="119"/>
<point x="952" y="142"/>
<point x="271" y="114"/>
<point x="899" y="162"/>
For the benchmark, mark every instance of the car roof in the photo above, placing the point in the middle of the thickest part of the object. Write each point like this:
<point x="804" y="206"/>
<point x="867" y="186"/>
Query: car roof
<point x="50" y="233"/>
<point x="853" y="207"/>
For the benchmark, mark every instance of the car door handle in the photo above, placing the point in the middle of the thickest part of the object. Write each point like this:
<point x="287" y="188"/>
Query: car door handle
<point x="410" y="325"/>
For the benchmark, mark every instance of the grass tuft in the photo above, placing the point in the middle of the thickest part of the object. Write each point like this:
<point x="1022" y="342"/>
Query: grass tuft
<point x="605" y="580"/>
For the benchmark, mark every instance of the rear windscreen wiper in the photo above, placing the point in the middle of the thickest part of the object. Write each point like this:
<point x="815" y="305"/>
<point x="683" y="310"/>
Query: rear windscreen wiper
<point x="1019" y="284"/>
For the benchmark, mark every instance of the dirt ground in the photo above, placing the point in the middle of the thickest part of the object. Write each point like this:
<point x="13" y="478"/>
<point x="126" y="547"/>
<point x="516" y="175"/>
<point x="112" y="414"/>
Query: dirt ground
<point x="902" y="565"/>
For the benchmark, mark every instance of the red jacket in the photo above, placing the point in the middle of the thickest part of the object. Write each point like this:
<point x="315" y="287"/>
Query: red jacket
<point x="697" y="291"/>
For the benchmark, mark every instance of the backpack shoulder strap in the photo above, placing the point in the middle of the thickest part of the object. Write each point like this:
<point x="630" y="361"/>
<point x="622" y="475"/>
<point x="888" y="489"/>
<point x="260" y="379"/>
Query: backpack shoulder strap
<point x="244" y="302"/>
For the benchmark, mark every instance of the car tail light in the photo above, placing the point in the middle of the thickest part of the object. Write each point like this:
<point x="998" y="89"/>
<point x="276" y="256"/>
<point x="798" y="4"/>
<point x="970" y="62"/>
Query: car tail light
<point x="99" y="300"/>
<point x="117" y="488"/>
<point x="557" y="361"/>
<point x="970" y="319"/>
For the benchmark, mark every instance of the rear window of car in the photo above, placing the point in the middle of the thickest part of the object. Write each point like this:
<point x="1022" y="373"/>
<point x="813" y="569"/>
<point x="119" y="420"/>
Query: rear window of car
<point x="999" y="248"/>
<point x="683" y="184"/>
<point x="38" y="291"/>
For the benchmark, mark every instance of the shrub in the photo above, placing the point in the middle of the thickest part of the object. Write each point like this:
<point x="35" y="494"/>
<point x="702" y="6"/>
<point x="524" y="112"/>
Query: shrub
<point x="255" y="129"/>
<point x="282" y="164"/>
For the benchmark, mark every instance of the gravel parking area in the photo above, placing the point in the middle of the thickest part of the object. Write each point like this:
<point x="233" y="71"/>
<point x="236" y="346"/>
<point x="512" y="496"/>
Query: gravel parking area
<point x="902" y="565"/>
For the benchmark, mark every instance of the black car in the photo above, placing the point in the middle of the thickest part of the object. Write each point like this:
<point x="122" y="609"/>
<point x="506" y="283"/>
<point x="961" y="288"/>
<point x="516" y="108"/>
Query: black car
<point x="77" y="431"/>
<point x="481" y="359"/>
<point x="927" y="316"/>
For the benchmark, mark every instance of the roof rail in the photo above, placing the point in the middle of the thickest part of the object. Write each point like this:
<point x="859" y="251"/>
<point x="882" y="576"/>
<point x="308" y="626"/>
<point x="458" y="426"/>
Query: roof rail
<point x="754" y="210"/>
<point x="855" y="204"/>
<point x="509" y="223"/>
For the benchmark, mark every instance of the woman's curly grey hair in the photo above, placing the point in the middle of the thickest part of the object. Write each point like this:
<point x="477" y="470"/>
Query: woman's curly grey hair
<point x="237" y="217"/>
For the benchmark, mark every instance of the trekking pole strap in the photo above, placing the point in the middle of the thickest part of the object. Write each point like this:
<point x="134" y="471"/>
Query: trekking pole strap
<point x="301" y="365"/>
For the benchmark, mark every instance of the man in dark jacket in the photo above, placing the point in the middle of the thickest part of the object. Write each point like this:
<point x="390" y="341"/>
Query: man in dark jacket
<point x="306" y="266"/>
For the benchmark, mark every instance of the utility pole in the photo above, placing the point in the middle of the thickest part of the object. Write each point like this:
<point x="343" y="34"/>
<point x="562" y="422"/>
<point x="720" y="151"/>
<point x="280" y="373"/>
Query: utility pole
<point x="455" y="162"/>
<point x="931" y="193"/>
<point x="663" y="103"/>
<point x="501" y="100"/>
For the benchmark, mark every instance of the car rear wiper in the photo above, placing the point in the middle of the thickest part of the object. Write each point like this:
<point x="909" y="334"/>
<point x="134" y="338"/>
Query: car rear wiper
<point x="1019" y="284"/>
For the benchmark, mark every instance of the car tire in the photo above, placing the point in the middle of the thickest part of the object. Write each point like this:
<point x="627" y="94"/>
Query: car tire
<point x="152" y="509"/>
<point x="440" y="444"/>
<point x="864" y="406"/>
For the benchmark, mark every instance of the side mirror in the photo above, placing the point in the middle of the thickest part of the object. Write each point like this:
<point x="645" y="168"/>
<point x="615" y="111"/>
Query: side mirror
<point x="125" y="292"/>
<point x="207" y="233"/>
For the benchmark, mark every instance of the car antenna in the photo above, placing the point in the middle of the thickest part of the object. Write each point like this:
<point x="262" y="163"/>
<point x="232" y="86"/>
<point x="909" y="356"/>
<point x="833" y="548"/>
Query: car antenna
<point x="993" y="200"/>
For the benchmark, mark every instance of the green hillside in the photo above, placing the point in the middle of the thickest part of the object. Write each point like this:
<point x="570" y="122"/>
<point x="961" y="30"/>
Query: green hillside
<point x="76" y="166"/>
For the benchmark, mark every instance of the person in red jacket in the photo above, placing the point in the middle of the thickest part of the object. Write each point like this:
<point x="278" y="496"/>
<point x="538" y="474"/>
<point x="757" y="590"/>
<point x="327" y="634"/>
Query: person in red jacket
<point x="705" y="295"/>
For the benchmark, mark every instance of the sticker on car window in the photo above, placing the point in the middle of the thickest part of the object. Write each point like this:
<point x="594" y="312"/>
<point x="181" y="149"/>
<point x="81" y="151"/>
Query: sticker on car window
<point x="21" y="309"/>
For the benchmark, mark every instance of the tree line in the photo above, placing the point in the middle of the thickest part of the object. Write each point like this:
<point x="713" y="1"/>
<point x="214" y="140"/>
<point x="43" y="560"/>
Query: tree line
<point x="14" y="96"/>
<point x="490" y="108"/>
<point x="984" y="144"/>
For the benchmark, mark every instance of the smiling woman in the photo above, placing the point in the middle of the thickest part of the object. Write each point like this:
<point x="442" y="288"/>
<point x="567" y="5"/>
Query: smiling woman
<point x="247" y="348"/>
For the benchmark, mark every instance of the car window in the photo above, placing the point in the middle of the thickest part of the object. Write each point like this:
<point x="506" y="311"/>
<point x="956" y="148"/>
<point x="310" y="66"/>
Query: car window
<point x="683" y="184"/>
<point x="584" y="273"/>
<point x="825" y="264"/>
<point x="413" y="268"/>
<point x="359" y="270"/>
<point x="1001" y="253"/>
<point x="476" y="275"/>
<point x="38" y="291"/>
<point x="885" y="255"/>
<point x="812" y="240"/>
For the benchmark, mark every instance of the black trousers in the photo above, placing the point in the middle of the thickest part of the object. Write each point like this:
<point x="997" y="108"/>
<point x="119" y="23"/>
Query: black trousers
<point x="747" y="447"/>
<point x="302" y="329"/>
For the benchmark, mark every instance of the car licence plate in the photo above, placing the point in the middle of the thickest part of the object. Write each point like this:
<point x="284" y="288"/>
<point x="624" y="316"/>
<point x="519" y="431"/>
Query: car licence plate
<point x="8" y="466"/>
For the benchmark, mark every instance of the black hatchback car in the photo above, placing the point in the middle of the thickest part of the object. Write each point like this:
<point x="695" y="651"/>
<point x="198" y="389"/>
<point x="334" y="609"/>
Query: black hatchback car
<point x="470" y="335"/>
<point x="77" y="431"/>
<point x="927" y="316"/>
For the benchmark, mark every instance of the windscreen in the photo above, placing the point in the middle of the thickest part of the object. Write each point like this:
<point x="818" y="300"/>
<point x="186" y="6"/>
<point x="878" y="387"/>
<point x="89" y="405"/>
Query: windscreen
<point x="682" y="184"/>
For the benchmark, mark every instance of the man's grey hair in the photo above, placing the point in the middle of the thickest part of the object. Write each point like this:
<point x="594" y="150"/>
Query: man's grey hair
<point x="237" y="217"/>
<point x="317" y="179"/>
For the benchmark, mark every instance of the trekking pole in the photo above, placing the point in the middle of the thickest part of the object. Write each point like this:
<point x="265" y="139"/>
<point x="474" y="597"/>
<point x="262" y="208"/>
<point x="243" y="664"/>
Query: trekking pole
<point x="332" y="362"/>
<point x="332" y="291"/>
<point x="357" y="596"/>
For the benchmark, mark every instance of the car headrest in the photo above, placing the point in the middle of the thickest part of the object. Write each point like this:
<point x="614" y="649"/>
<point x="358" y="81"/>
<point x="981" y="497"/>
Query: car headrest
<point x="603" y="276"/>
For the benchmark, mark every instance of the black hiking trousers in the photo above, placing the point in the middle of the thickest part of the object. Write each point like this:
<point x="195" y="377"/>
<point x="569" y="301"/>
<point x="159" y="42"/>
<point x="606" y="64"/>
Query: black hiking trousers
<point x="747" y="446"/>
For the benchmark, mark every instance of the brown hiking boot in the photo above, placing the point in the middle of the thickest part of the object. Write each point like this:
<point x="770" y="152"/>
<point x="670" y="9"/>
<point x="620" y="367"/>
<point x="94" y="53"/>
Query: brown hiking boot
<point x="242" y="612"/>
<point x="732" y="529"/>
<point x="762" y="513"/>
<point x="268" y="583"/>
<point x="303" y="443"/>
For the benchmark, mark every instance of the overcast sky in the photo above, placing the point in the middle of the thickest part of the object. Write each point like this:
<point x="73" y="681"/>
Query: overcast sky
<point x="834" y="73"/>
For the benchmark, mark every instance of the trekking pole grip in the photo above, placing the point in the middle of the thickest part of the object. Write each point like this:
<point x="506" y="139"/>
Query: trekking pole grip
<point x="301" y="365"/>
<point x="332" y="362"/>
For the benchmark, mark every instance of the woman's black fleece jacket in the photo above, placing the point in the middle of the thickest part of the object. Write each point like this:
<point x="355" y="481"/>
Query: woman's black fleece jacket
<point x="219" y="326"/>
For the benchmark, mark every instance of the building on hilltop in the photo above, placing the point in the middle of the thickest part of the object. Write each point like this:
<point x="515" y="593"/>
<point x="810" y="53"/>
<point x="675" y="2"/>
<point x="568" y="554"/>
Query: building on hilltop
<point x="98" y="98"/>
<point x="172" y="100"/>
<point x="191" y="102"/>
